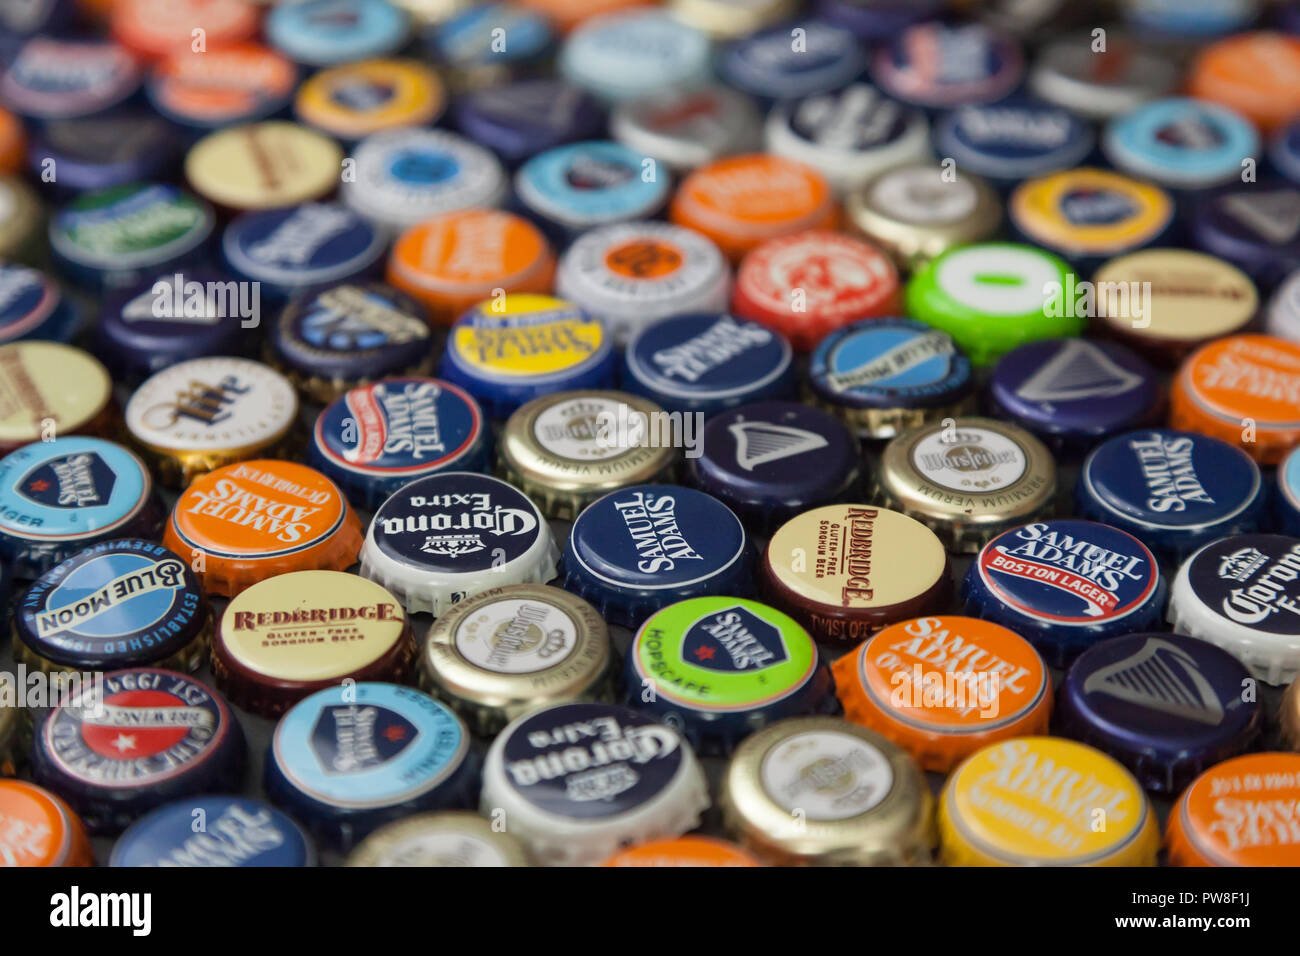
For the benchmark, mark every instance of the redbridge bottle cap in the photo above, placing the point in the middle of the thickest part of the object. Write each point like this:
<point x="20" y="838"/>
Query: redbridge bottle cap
<point x="1257" y="74"/>
<point x="1238" y="813"/>
<point x="264" y="165"/>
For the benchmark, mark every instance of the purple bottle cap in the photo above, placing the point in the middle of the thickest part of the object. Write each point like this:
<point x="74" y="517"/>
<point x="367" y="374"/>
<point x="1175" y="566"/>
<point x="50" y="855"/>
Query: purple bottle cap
<point x="1255" y="226"/>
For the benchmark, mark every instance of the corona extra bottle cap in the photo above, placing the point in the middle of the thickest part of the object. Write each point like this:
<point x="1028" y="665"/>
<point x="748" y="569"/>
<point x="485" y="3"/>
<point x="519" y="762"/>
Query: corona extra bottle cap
<point x="53" y="78"/>
<point x="50" y="389"/>
<point x="152" y="29"/>
<point x="940" y="65"/>
<point x="224" y="86"/>
<point x="450" y="838"/>
<point x="730" y="19"/>
<point x="1181" y="143"/>
<point x="1255" y="226"/>
<point x="1099" y="84"/>
<point x="330" y="32"/>
<point x="683" y="851"/>
<point x="45" y="830"/>
<point x="1013" y="140"/>
<point x="32" y="306"/>
<point x="518" y="121"/>
<point x="357" y="99"/>
<point x="236" y="831"/>
<point x="1257" y="74"/>
<point x="263" y="165"/>
<point x="625" y="55"/>
<point x="119" y="148"/>
<point x="769" y="65"/>
<point x="1237" y="813"/>
<point x="685" y="129"/>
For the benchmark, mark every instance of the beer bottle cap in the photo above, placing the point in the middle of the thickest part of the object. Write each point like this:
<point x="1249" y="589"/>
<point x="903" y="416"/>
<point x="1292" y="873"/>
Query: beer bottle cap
<point x="520" y="120"/>
<point x="685" y="129"/>
<point x="357" y="99"/>
<point x="769" y="66"/>
<point x="475" y="56"/>
<point x="627" y="54"/>
<point x="1286" y="499"/>
<point x="450" y="838"/>
<point x="330" y="32"/>
<point x="730" y="19"/>
<point x="237" y="832"/>
<point x="1257" y="74"/>
<point x="13" y="721"/>
<point x="1255" y="226"/>
<point x="1230" y="815"/>
<point x="51" y="389"/>
<point x="223" y="86"/>
<point x="264" y="165"/>
<point x="940" y="65"/>
<point x="34" y="307"/>
<point x="1013" y="140"/>
<point x="1283" y="316"/>
<point x="1288" y="717"/>
<point x="875" y="20"/>
<point x="1099" y="84"/>
<point x="21" y="219"/>
<point x="58" y="78"/>
<point x="89" y="153"/>
<point x="152" y="29"/>
<point x="683" y="851"/>
<point x="1284" y="151"/>
<point x="1181" y="143"/>
<point x="13" y="143"/>
<point x="47" y="831"/>
<point x="434" y="12"/>
<point x="1189" y="20"/>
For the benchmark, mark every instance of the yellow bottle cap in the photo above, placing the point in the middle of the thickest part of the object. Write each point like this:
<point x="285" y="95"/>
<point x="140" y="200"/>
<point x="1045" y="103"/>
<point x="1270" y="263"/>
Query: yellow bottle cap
<point x="48" y="390"/>
<point x="264" y="166"/>
<point x="399" y="93"/>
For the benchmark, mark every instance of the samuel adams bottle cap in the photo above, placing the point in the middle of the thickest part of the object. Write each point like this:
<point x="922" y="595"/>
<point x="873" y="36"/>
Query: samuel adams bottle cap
<point x="221" y="86"/>
<point x="264" y="166"/>
<point x="632" y="53"/>
<point x="236" y="831"/>
<point x="451" y="838"/>
<point x="1014" y="140"/>
<point x="684" y="851"/>
<point x="40" y="829"/>
<point x="578" y="781"/>
<point x="684" y="129"/>
<point x="938" y="65"/>
<point x="47" y="388"/>
<point x="769" y="66"/>
<point x="1238" y="813"/>
<point x="822" y="791"/>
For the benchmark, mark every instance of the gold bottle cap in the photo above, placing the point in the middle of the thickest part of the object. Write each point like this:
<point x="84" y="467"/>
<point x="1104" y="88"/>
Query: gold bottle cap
<point x="264" y="166"/>
<point x="822" y="791"/>
<point x="1288" y="717"/>
<point x="455" y="838"/>
<point x="20" y="219"/>
<point x="11" y="721"/>
<point x="730" y="19"/>
<point x="513" y="649"/>
<point x="567" y="449"/>
<point x="967" y="479"/>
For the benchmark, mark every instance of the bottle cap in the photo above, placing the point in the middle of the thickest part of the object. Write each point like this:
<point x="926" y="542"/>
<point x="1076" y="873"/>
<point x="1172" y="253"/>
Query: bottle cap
<point x="1238" y="593"/>
<point x="49" y="388"/>
<point x="566" y="449"/>
<point x="1164" y="705"/>
<point x="685" y="129"/>
<point x="943" y="687"/>
<point x="915" y="213"/>
<point x="357" y="99"/>
<point x="39" y="16"/>
<point x="13" y="721"/>
<point x="329" y="32"/>
<point x="683" y="851"/>
<point x="567" y="14"/>
<point x="627" y="54"/>
<point x="253" y="520"/>
<point x="720" y="668"/>
<point x="349" y="334"/>
<point x="32" y="306"/>
<point x="1284" y="151"/>
<point x="809" y="284"/>
<point x="967" y="479"/>
<point x="875" y="20"/>
<point x="21" y="220"/>
<point x="884" y="376"/>
<point x="135" y="739"/>
<point x="769" y="461"/>
<point x="170" y="319"/>
<point x="994" y="296"/>
<point x="116" y="604"/>
<point x="1288" y="717"/>
<point x="236" y="831"/>
<point x="376" y="438"/>
<point x="998" y="810"/>
<point x="199" y="415"/>
<point x="221" y="86"/>
<point x="769" y="67"/>
<point x="729" y="19"/>
<point x="634" y="273"/>
<point x="1286" y="500"/>
<point x="520" y="120"/>
<point x="513" y="649"/>
<point x="1234" y="814"/>
<point x="289" y="636"/>
<point x="96" y="152"/>
<point x="455" y="260"/>
<point x="434" y="12"/>
<point x="846" y="571"/>
<point x="350" y="758"/>
<point x="41" y="830"/>
<point x="1283" y="316"/>
<point x="1174" y="490"/>
<point x="264" y="165"/>
<point x="1181" y="143"/>
<point x="1013" y="140"/>
<point x="1099" y="84"/>
<point x="1188" y="20"/>
<point x="822" y="791"/>
<point x="451" y="838"/>
<point x="58" y="78"/>
<point x="740" y="201"/>
<point x="152" y="29"/>
<point x="1240" y="388"/>
<point x="938" y="65"/>
<point x="475" y="56"/>
<point x="452" y="535"/>
<point x="577" y="781"/>
<point x="707" y="363"/>
<point x="1257" y="74"/>
<point x="403" y="176"/>
<point x="1255" y="226"/>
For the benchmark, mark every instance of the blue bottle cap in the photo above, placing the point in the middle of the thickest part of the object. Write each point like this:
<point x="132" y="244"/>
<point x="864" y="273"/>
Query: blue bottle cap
<point x="772" y="460"/>
<point x="1065" y="584"/>
<point x="119" y="746"/>
<point x="53" y="78"/>
<point x="492" y="35"/>
<point x="288" y="250"/>
<point x="60" y="496"/>
<point x="214" y="831"/>
<point x="707" y="362"/>
<point x="641" y="548"/>
<point x="1175" y="490"/>
<point x="96" y="152"/>
<point x="36" y="16"/>
<point x="330" y="32"/>
<point x="520" y="120"/>
<point x="1255" y="226"/>
<point x="1013" y="140"/>
<point x="1286" y="503"/>
<point x="631" y="54"/>
<point x="1189" y="19"/>
<point x="347" y="760"/>
<point x="1181" y="143"/>
<point x="770" y="65"/>
<point x="877" y="20"/>
<point x="1284" y="151"/>
<point x="377" y="438"/>
<point x="1164" y="705"/>
<point x="1074" y="392"/>
<point x="33" y="307"/>
<point x="939" y="65"/>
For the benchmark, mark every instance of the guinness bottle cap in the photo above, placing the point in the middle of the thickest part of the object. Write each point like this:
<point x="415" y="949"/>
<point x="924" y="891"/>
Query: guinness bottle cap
<point x="51" y="78"/>
<point x="45" y="831"/>
<point x="236" y="831"/>
<point x="730" y="19"/>
<point x="152" y="29"/>
<point x="1255" y="226"/>
<point x="769" y="66"/>
<point x="1014" y="139"/>
<point x="683" y="851"/>
<point x="357" y="99"/>
<point x="518" y="121"/>
<point x="329" y="32"/>
<point x="1099" y="84"/>
<point x="685" y="129"/>
<point x="126" y="146"/>
<point x="451" y="838"/>
<point x="1181" y="143"/>
<point x="627" y="54"/>
<point x="1256" y="73"/>
<point x="223" y="86"/>
<point x="822" y="791"/>
<point x="1238" y="814"/>
<point x="51" y="389"/>
<point x="940" y="65"/>
<point x="264" y="165"/>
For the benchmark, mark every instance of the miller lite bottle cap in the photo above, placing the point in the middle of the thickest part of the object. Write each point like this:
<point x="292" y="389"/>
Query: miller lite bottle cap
<point x="45" y="830"/>
<point x="684" y="129"/>
<point x="942" y="687"/>
<point x="845" y="571"/>
<point x="770" y="66"/>
<point x="330" y="32"/>
<point x="357" y="99"/>
<point x="1255" y="73"/>
<point x="729" y="19"/>
<point x="221" y="86"/>
<point x="939" y="65"/>
<point x="995" y="810"/>
<point x="1238" y="813"/>
<point x="49" y="388"/>
<point x="1013" y="140"/>
<point x="252" y="520"/>
<point x="152" y="29"/>
<point x="627" y="54"/>
<point x="690" y="851"/>
<point x="1098" y="84"/>
<point x="824" y="792"/>
<point x="1065" y="584"/>
<point x="134" y="740"/>
<point x="235" y="831"/>
<point x="264" y="165"/>
<point x="51" y="78"/>
<point x="967" y="479"/>
<point x="520" y="120"/>
<point x="1181" y="143"/>
<point x="449" y="536"/>
<point x="513" y="649"/>
<point x="451" y="838"/>
<point x="1255" y="226"/>
<point x="577" y="781"/>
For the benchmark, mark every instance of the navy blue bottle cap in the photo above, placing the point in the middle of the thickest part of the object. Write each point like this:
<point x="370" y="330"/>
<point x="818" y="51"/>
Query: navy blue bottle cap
<point x="1013" y="140"/>
<point x="875" y="20"/>
<point x="1065" y="584"/>
<point x="1286" y="502"/>
<point x="214" y="831"/>
<point x="769" y="461"/>
<point x="1164" y="705"/>
<point x="641" y="548"/>
<point x="349" y="759"/>
<point x="121" y="745"/>
<point x="96" y="152"/>
<point x="376" y="438"/>
<point x="330" y="32"/>
<point x="1181" y="143"/>
<point x="769" y="66"/>
<point x="1284" y="151"/>
<point x="938" y="65"/>
<point x="56" y="78"/>
<point x="1175" y="490"/>
<point x="1255" y="226"/>
<point x="520" y="120"/>
<point x="1072" y="393"/>
<point x="32" y="306"/>
<point x="706" y="362"/>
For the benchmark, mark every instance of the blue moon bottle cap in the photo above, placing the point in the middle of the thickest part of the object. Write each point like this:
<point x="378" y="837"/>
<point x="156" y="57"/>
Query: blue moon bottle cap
<point x="520" y="120"/>
<point x="939" y="65"/>
<point x="96" y="152"/>
<point x="32" y="306"/>
<point x="1165" y="706"/>
<point x="1073" y="392"/>
<point x="1013" y="140"/>
<point x="1255" y="226"/>
<point x="707" y="362"/>
<point x="769" y="461"/>
<point x="1065" y="584"/>
<point x="349" y="759"/>
<point x="234" y="831"/>
<point x="768" y="67"/>
<point x="1286" y="501"/>
<point x="60" y="496"/>
<point x="1175" y="490"/>
<point x="376" y="438"/>
<point x="330" y="32"/>
<point x="136" y="739"/>
<point x="57" y="78"/>
<point x="629" y="54"/>
<point x="1181" y="143"/>
<point x="577" y="781"/>
<point x="640" y="548"/>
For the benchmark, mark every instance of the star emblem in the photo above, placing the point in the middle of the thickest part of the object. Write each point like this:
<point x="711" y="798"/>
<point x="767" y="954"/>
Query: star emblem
<point x="705" y="653"/>
<point x="394" y="733"/>
<point x="124" y="742"/>
<point x="40" y="484"/>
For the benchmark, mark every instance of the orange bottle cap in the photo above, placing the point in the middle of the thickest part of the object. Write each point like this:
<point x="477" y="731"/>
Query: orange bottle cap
<point x="220" y="86"/>
<point x="13" y="143"/>
<point x="39" y="829"/>
<point x="683" y="851"/>
<point x="1257" y="74"/>
<point x="1241" y="812"/>
<point x="156" y="28"/>
<point x="567" y="14"/>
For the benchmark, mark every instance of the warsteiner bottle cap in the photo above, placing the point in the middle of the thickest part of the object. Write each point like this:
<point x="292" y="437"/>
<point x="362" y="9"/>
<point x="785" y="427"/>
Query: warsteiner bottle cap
<point x="1164" y="705"/>
<point x="40" y="829"/>
<point x="1257" y="74"/>
<point x="329" y="32"/>
<point x="1238" y="813"/>
<point x="628" y="54"/>
<point x="357" y="99"/>
<point x="236" y="831"/>
<point x="50" y="388"/>
<point x="846" y="571"/>
<point x="450" y="838"/>
<point x="221" y="86"/>
<point x="769" y="66"/>
<point x="264" y="165"/>
<point x="684" y="129"/>
<point x="577" y="781"/>
<point x="1099" y="84"/>
<point x="1044" y="801"/>
<point x="1255" y="226"/>
<point x="56" y="78"/>
<point x="942" y="687"/>
<point x="155" y="28"/>
<point x="520" y="120"/>
<point x="1181" y="143"/>
<point x="824" y="792"/>
<point x="255" y="519"/>
<point x="135" y="740"/>
<point x="683" y="851"/>
<point x="1013" y="140"/>
<point x="513" y="649"/>
<point x="940" y="65"/>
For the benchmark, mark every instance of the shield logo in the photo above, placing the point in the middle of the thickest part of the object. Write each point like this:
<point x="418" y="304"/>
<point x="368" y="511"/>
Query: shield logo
<point x="732" y="640"/>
